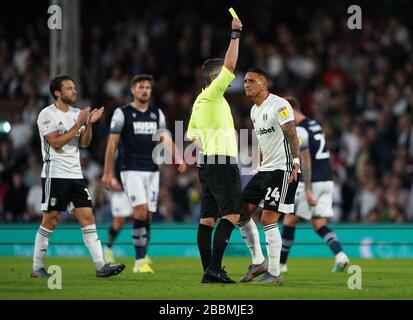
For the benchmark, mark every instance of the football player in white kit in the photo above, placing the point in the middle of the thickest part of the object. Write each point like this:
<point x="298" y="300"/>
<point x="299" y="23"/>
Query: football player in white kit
<point x="63" y="129"/>
<point x="276" y="181"/>
<point x="314" y="198"/>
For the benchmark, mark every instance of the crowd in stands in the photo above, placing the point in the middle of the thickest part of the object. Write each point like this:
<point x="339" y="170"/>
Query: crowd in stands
<point x="356" y="83"/>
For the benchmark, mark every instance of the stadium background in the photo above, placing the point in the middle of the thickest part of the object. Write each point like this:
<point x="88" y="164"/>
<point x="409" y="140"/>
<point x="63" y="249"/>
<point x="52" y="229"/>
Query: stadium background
<point x="357" y="83"/>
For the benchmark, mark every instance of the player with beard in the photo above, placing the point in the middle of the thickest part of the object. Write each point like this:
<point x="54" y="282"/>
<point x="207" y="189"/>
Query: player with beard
<point x="133" y="128"/>
<point x="63" y="129"/>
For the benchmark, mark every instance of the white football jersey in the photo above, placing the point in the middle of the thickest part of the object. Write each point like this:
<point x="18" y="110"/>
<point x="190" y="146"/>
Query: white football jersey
<point x="61" y="163"/>
<point x="268" y="119"/>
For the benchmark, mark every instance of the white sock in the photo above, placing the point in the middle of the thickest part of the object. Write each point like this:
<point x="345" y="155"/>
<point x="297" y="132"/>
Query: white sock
<point x="251" y="237"/>
<point x="92" y="242"/>
<point x="41" y="244"/>
<point x="274" y="244"/>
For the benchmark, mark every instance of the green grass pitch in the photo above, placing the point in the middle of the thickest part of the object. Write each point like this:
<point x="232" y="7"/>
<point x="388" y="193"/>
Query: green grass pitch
<point x="179" y="278"/>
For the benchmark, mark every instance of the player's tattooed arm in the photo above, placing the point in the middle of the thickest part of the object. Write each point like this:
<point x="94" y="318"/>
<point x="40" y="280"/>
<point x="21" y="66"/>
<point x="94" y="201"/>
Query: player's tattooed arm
<point x="306" y="168"/>
<point x="291" y="135"/>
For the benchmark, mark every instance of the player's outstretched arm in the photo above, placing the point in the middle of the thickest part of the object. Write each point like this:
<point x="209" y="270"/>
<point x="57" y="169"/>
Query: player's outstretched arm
<point x="291" y="136"/>
<point x="231" y="57"/>
<point x="57" y="140"/>
<point x="109" y="157"/>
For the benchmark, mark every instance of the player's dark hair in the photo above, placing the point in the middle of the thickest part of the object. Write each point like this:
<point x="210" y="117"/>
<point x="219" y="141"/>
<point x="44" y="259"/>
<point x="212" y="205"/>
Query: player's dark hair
<point x="56" y="83"/>
<point x="211" y="68"/>
<point x="142" y="77"/>
<point x="259" y="71"/>
<point x="295" y="104"/>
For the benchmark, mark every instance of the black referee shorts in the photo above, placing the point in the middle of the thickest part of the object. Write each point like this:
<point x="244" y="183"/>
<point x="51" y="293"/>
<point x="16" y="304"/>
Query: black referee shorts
<point x="221" y="189"/>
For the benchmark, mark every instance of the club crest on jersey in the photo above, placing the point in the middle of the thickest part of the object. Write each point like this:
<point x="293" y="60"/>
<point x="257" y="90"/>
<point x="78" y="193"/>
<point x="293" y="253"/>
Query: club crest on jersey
<point x="264" y="117"/>
<point x="53" y="202"/>
<point x="283" y="112"/>
<point x="153" y="116"/>
<point x="134" y="115"/>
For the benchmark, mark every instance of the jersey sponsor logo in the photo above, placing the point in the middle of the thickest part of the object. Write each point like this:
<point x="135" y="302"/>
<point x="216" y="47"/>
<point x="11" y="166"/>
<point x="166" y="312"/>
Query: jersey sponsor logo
<point x="262" y="131"/>
<point x="283" y="112"/>
<point x="145" y="127"/>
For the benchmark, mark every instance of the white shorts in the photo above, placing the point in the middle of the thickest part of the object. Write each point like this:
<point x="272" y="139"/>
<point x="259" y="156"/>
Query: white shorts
<point x="323" y="194"/>
<point x="141" y="187"/>
<point x="120" y="205"/>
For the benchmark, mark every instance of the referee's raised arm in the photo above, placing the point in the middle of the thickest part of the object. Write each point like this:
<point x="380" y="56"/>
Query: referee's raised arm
<point x="231" y="57"/>
<point x="224" y="68"/>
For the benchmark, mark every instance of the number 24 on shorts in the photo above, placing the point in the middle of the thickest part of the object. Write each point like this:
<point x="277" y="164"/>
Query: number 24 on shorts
<point x="275" y="194"/>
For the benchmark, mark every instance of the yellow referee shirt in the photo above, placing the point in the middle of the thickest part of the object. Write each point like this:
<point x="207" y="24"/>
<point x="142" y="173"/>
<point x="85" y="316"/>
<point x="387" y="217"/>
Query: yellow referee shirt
<point x="211" y="120"/>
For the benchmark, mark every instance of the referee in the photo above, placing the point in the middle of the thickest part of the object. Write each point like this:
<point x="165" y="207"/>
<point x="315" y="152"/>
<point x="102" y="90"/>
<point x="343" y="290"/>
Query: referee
<point x="212" y="127"/>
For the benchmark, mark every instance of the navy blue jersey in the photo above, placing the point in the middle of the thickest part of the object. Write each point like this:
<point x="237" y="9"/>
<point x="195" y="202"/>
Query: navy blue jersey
<point x="311" y="135"/>
<point x="136" y="129"/>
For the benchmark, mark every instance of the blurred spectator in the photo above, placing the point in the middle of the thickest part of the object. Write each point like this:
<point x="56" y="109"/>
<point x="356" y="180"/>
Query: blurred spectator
<point x="31" y="111"/>
<point x="15" y="201"/>
<point x="7" y="157"/>
<point x="33" y="171"/>
<point x="21" y="132"/>
<point x="91" y="169"/>
<point x="33" y="202"/>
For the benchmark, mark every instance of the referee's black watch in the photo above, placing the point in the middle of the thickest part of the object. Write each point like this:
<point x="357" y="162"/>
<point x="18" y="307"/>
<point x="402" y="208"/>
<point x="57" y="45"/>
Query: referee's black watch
<point x="235" y="34"/>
